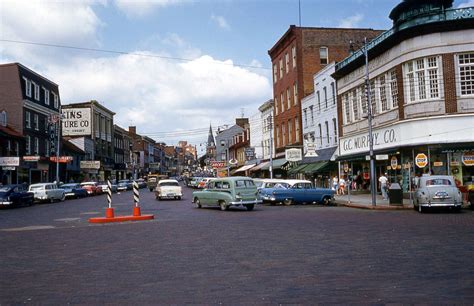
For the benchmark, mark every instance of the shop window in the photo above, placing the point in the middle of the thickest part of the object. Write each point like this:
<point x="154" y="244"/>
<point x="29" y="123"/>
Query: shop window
<point x="466" y="73"/>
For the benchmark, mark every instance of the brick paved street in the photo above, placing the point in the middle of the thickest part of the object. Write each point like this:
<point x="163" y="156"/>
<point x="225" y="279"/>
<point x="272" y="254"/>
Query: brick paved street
<point x="275" y="254"/>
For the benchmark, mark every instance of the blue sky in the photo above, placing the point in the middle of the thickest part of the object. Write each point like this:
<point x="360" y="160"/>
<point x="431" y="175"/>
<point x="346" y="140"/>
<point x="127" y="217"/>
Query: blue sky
<point x="169" y="100"/>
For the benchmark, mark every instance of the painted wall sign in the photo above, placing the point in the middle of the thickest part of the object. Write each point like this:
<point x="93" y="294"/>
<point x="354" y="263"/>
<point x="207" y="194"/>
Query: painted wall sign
<point x="217" y="164"/>
<point x="468" y="159"/>
<point x="31" y="158"/>
<point x="10" y="161"/>
<point x="421" y="160"/>
<point x="360" y="143"/>
<point x="76" y="122"/>
<point x="90" y="164"/>
<point x="293" y="154"/>
<point x="62" y="159"/>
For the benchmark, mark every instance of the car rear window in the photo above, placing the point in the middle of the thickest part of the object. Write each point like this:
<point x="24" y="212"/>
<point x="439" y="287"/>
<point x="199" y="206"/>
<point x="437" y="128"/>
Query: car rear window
<point x="169" y="184"/>
<point x="244" y="183"/>
<point x="438" y="182"/>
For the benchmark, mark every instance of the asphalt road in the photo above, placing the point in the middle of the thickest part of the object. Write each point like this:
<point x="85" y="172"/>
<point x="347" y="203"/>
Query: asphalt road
<point x="309" y="254"/>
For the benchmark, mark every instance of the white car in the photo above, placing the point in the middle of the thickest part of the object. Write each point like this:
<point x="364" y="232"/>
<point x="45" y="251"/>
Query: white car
<point x="47" y="192"/>
<point x="168" y="189"/>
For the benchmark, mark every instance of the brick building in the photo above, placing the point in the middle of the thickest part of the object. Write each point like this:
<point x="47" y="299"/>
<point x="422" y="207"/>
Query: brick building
<point x="31" y="100"/>
<point x="296" y="57"/>
<point x="421" y="80"/>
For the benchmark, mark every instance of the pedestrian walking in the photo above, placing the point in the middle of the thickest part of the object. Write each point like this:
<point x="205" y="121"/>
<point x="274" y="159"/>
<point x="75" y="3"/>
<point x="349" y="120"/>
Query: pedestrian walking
<point x="335" y="184"/>
<point x="383" y="180"/>
<point x="342" y="185"/>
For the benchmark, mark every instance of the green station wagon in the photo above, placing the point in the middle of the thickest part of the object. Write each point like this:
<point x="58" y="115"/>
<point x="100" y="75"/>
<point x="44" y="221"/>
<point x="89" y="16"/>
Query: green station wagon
<point x="226" y="192"/>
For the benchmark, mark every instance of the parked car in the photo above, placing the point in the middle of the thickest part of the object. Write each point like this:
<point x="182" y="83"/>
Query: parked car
<point x="265" y="193"/>
<point x="47" y="192"/>
<point x="124" y="185"/>
<point x="168" y="189"/>
<point x="437" y="191"/>
<point x="104" y="186"/>
<point x="302" y="192"/>
<point x="15" y="195"/>
<point x="227" y="192"/>
<point x="73" y="190"/>
<point x="267" y="183"/>
<point x="141" y="183"/>
<point x="92" y="188"/>
<point x="194" y="181"/>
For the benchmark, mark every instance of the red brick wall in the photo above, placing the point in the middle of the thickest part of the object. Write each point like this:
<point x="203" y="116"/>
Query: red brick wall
<point x="449" y="72"/>
<point x="10" y="96"/>
<point x="308" y="42"/>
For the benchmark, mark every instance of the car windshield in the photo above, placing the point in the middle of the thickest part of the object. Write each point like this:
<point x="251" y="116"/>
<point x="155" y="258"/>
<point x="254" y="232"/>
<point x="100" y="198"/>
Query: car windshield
<point x="69" y="186"/>
<point x="169" y="184"/>
<point x="438" y="182"/>
<point x="37" y="187"/>
<point x="5" y="189"/>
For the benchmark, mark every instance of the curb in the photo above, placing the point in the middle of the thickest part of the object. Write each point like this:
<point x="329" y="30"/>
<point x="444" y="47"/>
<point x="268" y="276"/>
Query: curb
<point x="380" y="207"/>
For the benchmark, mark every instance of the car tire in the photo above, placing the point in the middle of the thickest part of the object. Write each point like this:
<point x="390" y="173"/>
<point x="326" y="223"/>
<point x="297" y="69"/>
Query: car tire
<point x="250" y="207"/>
<point x="179" y="198"/>
<point x="326" y="201"/>
<point x="197" y="203"/>
<point x="63" y="198"/>
<point x="223" y="205"/>
<point x="288" y="202"/>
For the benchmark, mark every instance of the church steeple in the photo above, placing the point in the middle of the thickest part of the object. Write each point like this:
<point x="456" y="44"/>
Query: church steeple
<point x="211" y="145"/>
<point x="210" y="138"/>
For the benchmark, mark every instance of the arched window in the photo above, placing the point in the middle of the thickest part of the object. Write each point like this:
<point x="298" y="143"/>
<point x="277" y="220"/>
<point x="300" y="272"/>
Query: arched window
<point x="3" y="118"/>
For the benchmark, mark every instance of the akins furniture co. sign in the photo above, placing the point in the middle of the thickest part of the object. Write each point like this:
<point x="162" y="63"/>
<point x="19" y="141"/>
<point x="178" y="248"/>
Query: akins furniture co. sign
<point x="76" y="122"/>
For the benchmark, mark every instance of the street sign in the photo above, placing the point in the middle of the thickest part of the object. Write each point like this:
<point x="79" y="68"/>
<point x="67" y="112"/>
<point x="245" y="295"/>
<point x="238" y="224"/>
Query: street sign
<point x="468" y="159"/>
<point x="8" y="168"/>
<point x="9" y="161"/>
<point x="381" y="157"/>
<point x="249" y="152"/>
<point x="90" y="164"/>
<point x="61" y="159"/>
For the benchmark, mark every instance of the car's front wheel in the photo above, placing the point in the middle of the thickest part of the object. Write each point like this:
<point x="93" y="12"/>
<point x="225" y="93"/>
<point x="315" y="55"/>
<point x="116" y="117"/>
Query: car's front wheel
<point x="197" y="203"/>
<point x="288" y="202"/>
<point x="223" y="205"/>
<point x="326" y="201"/>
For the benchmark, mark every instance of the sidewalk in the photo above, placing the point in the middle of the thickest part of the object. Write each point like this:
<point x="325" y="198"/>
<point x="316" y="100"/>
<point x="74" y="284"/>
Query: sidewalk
<point x="365" y="201"/>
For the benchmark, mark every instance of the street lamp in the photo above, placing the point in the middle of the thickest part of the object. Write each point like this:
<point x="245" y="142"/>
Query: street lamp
<point x="369" y="120"/>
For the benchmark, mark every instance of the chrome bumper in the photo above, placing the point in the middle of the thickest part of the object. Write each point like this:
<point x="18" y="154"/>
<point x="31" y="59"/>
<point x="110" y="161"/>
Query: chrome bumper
<point x="256" y="201"/>
<point x="6" y="203"/>
<point x="441" y="205"/>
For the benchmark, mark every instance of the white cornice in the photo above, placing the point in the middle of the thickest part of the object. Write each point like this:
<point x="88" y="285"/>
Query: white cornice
<point x="39" y="108"/>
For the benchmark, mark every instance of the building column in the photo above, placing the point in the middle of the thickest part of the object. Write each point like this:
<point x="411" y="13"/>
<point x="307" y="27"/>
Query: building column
<point x="449" y="82"/>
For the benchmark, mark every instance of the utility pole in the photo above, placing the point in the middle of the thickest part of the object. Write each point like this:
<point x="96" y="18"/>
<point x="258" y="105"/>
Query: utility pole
<point x="270" y="126"/>
<point x="369" y="119"/>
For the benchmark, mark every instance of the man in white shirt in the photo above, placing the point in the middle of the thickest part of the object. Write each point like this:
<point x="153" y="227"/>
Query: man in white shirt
<point x="383" y="185"/>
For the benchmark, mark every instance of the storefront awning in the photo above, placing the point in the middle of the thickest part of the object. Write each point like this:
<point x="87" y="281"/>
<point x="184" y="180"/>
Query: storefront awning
<point x="315" y="167"/>
<point x="276" y="164"/>
<point x="298" y="169"/>
<point x="259" y="166"/>
<point x="244" y="168"/>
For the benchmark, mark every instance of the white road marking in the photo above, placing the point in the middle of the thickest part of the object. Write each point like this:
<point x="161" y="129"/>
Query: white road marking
<point x="28" y="228"/>
<point x="90" y="213"/>
<point x="67" y="219"/>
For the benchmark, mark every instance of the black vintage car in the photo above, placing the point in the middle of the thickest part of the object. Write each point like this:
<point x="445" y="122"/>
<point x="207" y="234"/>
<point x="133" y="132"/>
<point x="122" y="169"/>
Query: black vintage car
<point x="15" y="195"/>
<point x="73" y="190"/>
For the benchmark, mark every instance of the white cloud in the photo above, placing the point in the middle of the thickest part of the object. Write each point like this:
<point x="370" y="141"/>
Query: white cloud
<point x="220" y="21"/>
<point x="469" y="3"/>
<point x="351" y="22"/>
<point x="61" y="23"/>
<point x="134" y="8"/>
<point x="160" y="95"/>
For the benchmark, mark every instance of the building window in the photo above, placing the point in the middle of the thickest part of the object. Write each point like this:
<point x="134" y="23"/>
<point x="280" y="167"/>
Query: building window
<point x="287" y="63"/>
<point x="56" y="100"/>
<point x="281" y="68"/>
<point x="347" y="108"/>
<point x="355" y="105"/>
<point x="423" y="79"/>
<point x="327" y="132"/>
<point x="466" y="73"/>
<point x="27" y="87"/>
<point x="36" y="122"/>
<point x="394" y="88"/>
<point x="277" y="135"/>
<point x="293" y="55"/>
<point x="275" y="74"/>
<point x="28" y="144"/>
<point x="282" y="101"/>
<point x="28" y="119"/>
<point x="276" y="105"/>
<point x="37" y="91"/>
<point x="288" y="97"/>
<point x="333" y="91"/>
<point x="46" y="148"/>
<point x="46" y="96"/>
<point x="334" y="123"/>
<point x="283" y="134"/>
<point x="290" y="129"/>
<point x="305" y="117"/>
<point x="320" y="134"/>
<point x="295" y="94"/>
<point x="3" y="118"/>
<point x="325" y="96"/>
<point x="36" y="149"/>
<point x="318" y="97"/>
<point x="297" y="129"/>
<point x="323" y="55"/>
